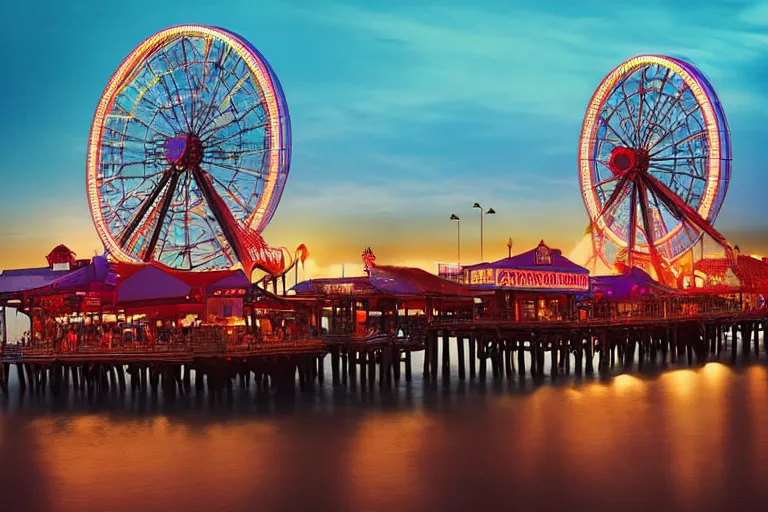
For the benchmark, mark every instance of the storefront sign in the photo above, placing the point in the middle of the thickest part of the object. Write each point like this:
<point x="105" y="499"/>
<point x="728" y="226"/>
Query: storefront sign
<point x="529" y="279"/>
<point x="338" y="289"/>
<point x="482" y="276"/>
<point x="230" y="292"/>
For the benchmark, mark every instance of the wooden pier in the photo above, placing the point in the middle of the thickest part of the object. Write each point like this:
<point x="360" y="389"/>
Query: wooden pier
<point x="519" y="348"/>
<point x="484" y="348"/>
<point x="275" y="366"/>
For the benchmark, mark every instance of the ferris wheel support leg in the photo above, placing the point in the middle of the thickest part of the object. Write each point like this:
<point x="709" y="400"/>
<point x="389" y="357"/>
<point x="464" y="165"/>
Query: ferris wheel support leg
<point x="650" y="235"/>
<point x="165" y="205"/>
<point x="632" y="224"/>
<point x="223" y="216"/>
<point x="130" y="229"/>
<point x="684" y="211"/>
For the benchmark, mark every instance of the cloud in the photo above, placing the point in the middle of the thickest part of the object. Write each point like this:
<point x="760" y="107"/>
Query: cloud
<point x="528" y="61"/>
<point x="755" y="14"/>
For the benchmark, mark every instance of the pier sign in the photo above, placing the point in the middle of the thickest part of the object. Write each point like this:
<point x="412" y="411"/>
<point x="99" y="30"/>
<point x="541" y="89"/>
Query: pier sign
<point x="529" y="279"/>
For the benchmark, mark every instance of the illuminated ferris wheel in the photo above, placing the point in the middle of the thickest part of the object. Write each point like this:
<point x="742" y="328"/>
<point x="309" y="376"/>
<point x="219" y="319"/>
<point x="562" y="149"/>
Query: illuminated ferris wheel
<point x="189" y="152"/>
<point x="654" y="162"/>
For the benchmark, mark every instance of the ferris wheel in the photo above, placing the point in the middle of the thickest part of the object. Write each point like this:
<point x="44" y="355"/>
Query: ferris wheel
<point x="189" y="152"/>
<point x="654" y="162"/>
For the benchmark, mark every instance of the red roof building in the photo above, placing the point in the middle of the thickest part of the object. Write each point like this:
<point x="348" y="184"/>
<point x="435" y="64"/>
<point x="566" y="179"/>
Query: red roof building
<point x="744" y="274"/>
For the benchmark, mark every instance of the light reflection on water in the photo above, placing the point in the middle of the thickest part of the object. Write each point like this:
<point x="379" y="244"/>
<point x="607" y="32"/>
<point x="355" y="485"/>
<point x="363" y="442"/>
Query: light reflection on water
<point x="688" y="439"/>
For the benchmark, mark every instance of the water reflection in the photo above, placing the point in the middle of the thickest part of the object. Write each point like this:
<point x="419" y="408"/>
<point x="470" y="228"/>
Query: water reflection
<point x="686" y="439"/>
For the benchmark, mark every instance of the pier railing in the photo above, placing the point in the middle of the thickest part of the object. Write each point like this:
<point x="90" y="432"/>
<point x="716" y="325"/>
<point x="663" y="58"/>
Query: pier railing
<point x="173" y="348"/>
<point x="620" y="312"/>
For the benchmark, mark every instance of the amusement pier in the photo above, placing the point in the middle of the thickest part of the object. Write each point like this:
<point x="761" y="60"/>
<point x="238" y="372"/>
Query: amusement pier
<point x="188" y="154"/>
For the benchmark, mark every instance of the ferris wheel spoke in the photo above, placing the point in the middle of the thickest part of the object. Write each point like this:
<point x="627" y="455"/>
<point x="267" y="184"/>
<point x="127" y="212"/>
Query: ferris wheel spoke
<point x="235" y="154"/>
<point x="124" y="137"/>
<point x="667" y="107"/>
<point x="624" y="100"/>
<point x="621" y="139"/>
<point x="160" y="77"/>
<point x="255" y="172"/>
<point x="206" y="134"/>
<point x="674" y="203"/>
<point x="213" y="240"/>
<point x="675" y="144"/>
<point x="675" y="172"/>
<point x="231" y="92"/>
<point x="221" y="71"/>
<point x="190" y="83"/>
<point x="652" y="117"/>
<point x="606" y="181"/>
<point x="672" y="99"/>
<point x="120" y="177"/>
<point x="149" y="127"/>
<point x="640" y="118"/>
<point x="214" y="141"/>
<point x="674" y="128"/>
<point x="170" y="73"/>
<point x="618" y="191"/>
<point x="161" y="112"/>
<point x="679" y="158"/>
<point x="238" y="201"/>
<point x="127" y="233"/>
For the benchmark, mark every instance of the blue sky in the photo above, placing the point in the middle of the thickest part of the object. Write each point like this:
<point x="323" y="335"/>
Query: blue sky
<point x="403" y="113"/>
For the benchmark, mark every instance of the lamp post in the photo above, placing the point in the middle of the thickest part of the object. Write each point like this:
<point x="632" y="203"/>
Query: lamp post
<point x="455" y="218"/>
<point x="483" y="213"/>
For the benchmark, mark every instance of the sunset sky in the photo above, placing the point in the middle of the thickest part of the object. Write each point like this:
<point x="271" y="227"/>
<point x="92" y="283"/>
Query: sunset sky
<point x="403" y="113"/>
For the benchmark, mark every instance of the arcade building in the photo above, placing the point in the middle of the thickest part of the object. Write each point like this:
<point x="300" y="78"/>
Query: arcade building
<point x="540" y="284"/>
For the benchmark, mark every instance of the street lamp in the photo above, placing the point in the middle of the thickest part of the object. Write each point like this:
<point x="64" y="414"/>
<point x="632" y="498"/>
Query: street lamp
<point x="455" y="217"/>
<point x="483" y="213"/>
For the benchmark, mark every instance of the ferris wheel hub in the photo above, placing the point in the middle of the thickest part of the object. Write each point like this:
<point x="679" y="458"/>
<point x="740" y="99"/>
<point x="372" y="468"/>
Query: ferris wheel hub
<point x="628" y="161"/>
<point x="184" y="151"/>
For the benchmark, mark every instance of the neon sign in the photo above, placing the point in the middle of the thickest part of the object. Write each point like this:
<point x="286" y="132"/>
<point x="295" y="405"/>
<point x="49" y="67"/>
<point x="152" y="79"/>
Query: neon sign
<point x="513" y="278"/>
<point x="230" y="292"/>
<point x="529" y="279"/>
<point x="483" y="276"/>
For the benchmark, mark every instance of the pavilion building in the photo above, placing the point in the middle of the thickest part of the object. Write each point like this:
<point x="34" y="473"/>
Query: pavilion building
<point x="540" y="284"/>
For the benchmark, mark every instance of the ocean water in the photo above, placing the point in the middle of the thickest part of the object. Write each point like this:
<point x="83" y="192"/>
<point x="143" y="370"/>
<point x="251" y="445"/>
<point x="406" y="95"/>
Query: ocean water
<point x="675" y="439"/>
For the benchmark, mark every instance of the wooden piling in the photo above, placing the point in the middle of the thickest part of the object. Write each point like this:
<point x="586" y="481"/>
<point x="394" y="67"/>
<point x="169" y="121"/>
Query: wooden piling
<point x="364" y="368"/>
<point x="460" y="355"/>
<point x="507" y="344"/>
<point x="481" y="346"/>
<point x="472" y="357"/>
<point x="446" y="355"/>
<point x="554" y="350"/>
<point x="408" y="371"/>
